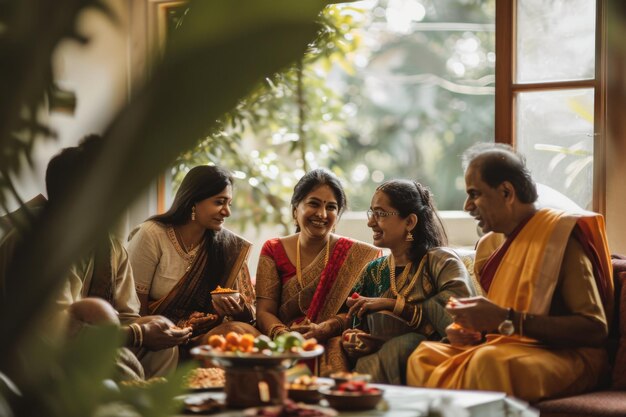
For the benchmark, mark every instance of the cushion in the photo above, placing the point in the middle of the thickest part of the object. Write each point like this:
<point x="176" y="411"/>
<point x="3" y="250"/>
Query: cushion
<point x="467" y="256"/>
<point x="601" y="403"/>
<point x="619" y="366"/>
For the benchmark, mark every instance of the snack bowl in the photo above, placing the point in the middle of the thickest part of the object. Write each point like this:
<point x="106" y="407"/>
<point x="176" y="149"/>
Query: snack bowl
<point x="345" y="400"/>
<point x="220" y="295"/>
<point x="309" y="395"/>
<point x="341" y="377"/>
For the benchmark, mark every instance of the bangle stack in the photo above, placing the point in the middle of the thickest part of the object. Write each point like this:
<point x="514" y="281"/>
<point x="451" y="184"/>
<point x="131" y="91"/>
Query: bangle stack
<point x="277" y="329"/>
<point x="137" y="334"/>
<point x="417" y="317"/>
<point x="399" y="305"/>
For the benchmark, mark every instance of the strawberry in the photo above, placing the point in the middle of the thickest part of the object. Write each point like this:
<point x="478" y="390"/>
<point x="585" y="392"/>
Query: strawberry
<point x="355" y="295"/>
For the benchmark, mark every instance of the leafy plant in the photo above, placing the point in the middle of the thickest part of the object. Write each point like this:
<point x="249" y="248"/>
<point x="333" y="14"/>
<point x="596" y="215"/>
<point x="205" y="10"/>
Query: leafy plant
<point x="294" y="120"/>
<point x="224" y="49"/>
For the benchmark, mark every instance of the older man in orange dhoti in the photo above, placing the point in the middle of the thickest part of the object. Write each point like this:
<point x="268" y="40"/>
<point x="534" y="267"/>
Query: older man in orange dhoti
<point x="541" y="329"/>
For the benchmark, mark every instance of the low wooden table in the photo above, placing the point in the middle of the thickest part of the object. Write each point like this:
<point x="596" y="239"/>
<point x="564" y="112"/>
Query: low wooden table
<point x="400" y="401"/>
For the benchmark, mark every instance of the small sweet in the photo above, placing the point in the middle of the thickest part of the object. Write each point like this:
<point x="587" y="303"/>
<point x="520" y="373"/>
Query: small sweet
<point x="220" y="290"/>
<point x="355" y="295"/>
<point x="453" y="302"/>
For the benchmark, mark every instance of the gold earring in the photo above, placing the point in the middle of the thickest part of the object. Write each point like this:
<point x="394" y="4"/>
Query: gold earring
<point x="193" y="213"/>
<point x="409" y="236"/>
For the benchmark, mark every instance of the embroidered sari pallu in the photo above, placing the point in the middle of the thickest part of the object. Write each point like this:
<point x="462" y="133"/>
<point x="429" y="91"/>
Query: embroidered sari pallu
<point x="193" y="291"/>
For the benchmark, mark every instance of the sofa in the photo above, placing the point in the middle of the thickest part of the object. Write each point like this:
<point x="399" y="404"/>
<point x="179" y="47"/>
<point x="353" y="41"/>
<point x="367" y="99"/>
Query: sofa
<point x="610" y="397"/>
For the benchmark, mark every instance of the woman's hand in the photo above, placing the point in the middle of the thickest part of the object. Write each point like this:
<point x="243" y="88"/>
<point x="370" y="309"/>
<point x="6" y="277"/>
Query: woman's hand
<point x="362" y="305"/>
<point x="459" y="336"/>
<point x="228" y="306"/>
<point x="358" y="343"/>
<point x="160" y="333"/>
<point x="320" y="331"/>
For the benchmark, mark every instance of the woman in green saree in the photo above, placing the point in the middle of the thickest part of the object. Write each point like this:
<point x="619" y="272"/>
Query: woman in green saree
<point x="401" y="297"/>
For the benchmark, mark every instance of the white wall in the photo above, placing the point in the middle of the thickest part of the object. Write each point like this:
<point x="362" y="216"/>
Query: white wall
<point x="460" y="228"/>
<point x="97" y="74"/>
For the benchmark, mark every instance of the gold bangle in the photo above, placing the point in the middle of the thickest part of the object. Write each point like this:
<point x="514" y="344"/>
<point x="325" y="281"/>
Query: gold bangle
<point x="341" y="324"/>
<point x="417" y="317"/>
<point x="137" y="334"/>
<point x="134" y="332"/>
<point x="399" y="305"/>
<point x="275" y="329"/>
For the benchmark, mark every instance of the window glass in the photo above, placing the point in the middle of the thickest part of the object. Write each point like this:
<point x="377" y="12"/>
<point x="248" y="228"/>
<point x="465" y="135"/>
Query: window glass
<point x="555" y="133"/>
<point x="393" y="89"/>
<point x="555" y="40"/>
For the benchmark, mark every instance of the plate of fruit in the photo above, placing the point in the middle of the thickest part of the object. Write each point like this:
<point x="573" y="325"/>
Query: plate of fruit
<point x="247" y="350"/>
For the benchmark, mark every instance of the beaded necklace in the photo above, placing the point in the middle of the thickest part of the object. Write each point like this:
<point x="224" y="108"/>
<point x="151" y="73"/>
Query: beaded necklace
<point x="405" y="272"/>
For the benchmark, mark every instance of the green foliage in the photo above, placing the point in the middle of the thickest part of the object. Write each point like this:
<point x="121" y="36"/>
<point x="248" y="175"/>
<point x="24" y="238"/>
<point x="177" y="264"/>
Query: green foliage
<point x="369" y="101"/>
<point x="77" y="380"/>
<point x="293" y="120"/>
<point x="223" y="50"/>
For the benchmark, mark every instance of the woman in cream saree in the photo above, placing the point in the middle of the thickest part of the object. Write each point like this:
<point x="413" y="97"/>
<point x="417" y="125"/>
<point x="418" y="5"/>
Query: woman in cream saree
<point x="179" y="257"/>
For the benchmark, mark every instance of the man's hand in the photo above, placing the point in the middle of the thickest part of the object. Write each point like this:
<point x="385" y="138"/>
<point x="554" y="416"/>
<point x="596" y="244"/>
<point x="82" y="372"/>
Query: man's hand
<point x="477" y="313"/>
<point x="458" y="336"/>
<point x="360" y="306"/>
<point x="160" y="333"/>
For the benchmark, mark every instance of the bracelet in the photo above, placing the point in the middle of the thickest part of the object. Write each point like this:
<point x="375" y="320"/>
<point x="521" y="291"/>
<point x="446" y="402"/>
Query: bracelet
<point x="340" y="322"/>
<point x="417" y="317"/>
<point x="399" y="305"/>
<point x="137" y="334"/>
<point x="134" y="332"/>
<point x="276" y="329"/>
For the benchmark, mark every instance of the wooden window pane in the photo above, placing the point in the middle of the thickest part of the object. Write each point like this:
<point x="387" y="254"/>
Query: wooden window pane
<point x="555" y="40"/>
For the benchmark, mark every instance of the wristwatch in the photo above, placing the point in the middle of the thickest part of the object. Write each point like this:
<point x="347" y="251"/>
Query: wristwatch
<point x="507" y="327"/>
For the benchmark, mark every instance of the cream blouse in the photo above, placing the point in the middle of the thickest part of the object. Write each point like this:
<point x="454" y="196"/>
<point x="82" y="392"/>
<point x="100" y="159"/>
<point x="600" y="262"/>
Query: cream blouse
<point x="157" y="259"/>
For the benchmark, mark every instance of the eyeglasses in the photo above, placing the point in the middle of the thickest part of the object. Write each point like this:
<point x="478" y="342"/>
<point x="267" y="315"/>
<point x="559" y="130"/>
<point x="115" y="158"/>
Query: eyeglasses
<point x="380" y="214"/>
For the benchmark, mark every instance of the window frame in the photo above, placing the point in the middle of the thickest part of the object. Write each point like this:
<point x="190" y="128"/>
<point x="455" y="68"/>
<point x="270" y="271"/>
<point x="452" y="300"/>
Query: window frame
<point x="507" y="89"/>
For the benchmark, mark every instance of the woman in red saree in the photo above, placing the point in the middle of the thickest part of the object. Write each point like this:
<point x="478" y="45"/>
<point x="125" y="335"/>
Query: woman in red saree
<point x="303" y="279"/>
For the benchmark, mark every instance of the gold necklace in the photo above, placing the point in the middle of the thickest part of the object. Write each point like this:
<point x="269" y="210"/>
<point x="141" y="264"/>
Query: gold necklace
<point x="298" y="264"/>
<point x="405" y="272"/>
<point x="182" y="240"/>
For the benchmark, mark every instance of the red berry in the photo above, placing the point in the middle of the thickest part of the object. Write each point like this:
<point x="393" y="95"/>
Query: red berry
<point x="355" y="295"/>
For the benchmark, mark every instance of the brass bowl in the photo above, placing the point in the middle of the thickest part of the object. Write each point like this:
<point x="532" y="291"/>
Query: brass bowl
<point x="341" y="377"/>
<point x="309" y="395"/>
<point x="353" y="401"/>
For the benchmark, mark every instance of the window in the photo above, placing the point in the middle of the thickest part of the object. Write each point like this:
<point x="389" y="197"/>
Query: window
<point x="400" y="89"/>
<point x="549" y="92"/>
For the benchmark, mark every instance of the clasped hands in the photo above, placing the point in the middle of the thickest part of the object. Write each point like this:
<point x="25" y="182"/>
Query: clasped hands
<point x="320" y="331"/>
<point x="358" y="343"/>
<point x="472" y="316"/>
